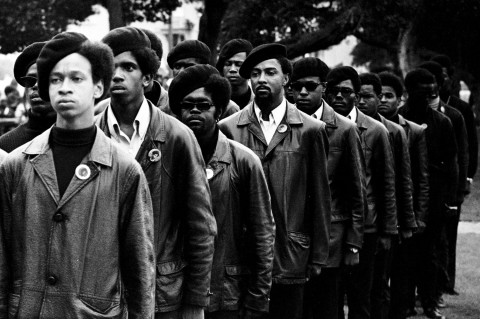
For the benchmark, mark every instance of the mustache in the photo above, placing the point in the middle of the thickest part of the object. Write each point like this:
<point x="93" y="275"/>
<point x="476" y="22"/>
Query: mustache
<point x="262" y="87"/>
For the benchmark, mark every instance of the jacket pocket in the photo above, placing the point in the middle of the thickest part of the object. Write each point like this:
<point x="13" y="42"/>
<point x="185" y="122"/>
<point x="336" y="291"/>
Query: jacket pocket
<point x="13" y="302"/>
<point x="234" y="285"/>
<point x="103" y="307"/>
<point x="298" y="251"/>
<point x="169" y="283"/>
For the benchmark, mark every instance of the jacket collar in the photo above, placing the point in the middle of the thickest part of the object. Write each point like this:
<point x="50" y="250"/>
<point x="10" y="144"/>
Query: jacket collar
<point x="100" y="153"/>
<point x="361" y="120"/>
<point x="156" y="128"/>
<point x="329" y="116"/>
<point x="247" y="115"/>
<point x="222" y="151"/>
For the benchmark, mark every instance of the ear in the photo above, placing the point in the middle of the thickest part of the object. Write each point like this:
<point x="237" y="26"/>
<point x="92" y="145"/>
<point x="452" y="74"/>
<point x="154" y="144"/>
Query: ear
<point x="98" y="90"/>
<point x="147" y="79"/>
<point x="218" y="114"/>
<point x="286" y="78"/>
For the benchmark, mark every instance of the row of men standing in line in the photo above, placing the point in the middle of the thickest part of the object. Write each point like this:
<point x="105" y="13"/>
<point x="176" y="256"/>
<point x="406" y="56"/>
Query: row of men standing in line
<point x="297" y="236"/>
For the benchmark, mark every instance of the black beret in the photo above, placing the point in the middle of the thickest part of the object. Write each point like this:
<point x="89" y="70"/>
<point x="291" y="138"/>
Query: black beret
<point x="126" y="39"/>
<point x="435" y="69"/>
<point x="155" y="42"/>
<point x="195" y="77"/>
<point x="261" y="53"/>
<point x="57" y="48"/>
<point x="310" y="67"/>
<point x="189" y="49"/>
<point x="231" y="48"/>
<point x="343" y="73"/>
<point x="25" y="60"/>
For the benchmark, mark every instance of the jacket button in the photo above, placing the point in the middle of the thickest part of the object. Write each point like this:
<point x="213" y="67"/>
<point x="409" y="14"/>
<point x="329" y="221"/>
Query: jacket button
<point x="52" y="280"/>
<point x="58" y="217"/>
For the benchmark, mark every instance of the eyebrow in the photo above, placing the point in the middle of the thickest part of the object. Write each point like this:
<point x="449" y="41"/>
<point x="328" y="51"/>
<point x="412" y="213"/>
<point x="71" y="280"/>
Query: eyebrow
<point x="69" y="73"/>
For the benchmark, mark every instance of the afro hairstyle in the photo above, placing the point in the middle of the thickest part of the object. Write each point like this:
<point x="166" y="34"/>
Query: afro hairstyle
<point x="343" y="73"/>
<point x="373" y="80"/>
<point x="390" y="79"/>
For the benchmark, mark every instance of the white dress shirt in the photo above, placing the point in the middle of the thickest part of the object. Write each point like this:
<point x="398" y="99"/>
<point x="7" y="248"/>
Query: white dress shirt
<point x="352" y="116"/>
<point x="319" y="112"/>
<point x="140" y="126"/>
<point x="269" y="127"/>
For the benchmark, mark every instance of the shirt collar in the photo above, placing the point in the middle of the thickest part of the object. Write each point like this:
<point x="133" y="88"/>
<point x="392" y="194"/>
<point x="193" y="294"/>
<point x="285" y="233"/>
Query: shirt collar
<point x="319" y="112"/>
<point x="141" y="122"/>
<point x="277" y="113"/>
<point x="353" y="115"/>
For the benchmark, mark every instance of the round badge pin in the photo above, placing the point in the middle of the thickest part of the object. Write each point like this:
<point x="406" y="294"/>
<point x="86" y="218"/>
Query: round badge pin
<point x="209" y="173"/>
<point x="83" y="171"/>
<point x="424" y="125"/>
<point x="154" y="155"/>
<point x="282" y="128"/>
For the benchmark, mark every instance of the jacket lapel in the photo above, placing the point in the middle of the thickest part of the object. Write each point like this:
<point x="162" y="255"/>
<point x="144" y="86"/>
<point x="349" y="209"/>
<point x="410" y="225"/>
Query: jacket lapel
<point x="43" y="164"/>
<point x="247" y="117"/>
<point x="221" y="157"/>
<point x="292" y="117"/>
<point x="329" y="117"/>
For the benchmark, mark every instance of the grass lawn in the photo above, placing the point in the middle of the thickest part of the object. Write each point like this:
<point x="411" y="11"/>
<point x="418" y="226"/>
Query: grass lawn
<point x="467" y="304"/>
<point x="471" y="206"/>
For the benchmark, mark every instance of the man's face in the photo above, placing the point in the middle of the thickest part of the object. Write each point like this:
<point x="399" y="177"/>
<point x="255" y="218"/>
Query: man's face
<point x="128" y="82"/>
<point x="231" y="68"/>
<point x="72" y="90"/>
<point x="342" y="97"/>
<point x="13" y="97"/>
<point x="308" y="92"/>
<point x="199" y="113"/>
<point x="268" y="81"/>
<point x="182" y="64"/>
<point x="420" y="95"/>
<point x="389" y="102"/>
<point x="37" y="104"/>
<point x="368" y="100"/>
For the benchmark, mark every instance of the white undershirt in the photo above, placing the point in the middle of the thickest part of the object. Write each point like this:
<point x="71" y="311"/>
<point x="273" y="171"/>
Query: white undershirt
<point x="269" y="127"/>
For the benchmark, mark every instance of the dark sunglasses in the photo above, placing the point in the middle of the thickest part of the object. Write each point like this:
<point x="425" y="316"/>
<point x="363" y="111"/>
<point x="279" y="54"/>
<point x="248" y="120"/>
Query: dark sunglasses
<point x="309" y="85"/>
<point x="345" y="92"/>
<point x="28" y="81"/>
<point x="367" y="96"/>
<point x="201" y="106"/>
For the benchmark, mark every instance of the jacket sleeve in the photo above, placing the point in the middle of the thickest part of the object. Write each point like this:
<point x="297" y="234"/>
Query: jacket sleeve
<point x="406" y="216"/>
<point x="261" y="228"/>
<point x="319" y="196"/>
<point x="385" y="180"/>
<point x="198" y="221"/>
<point x="462" y="157"/>
<point x="136" y="251"/>
<point x="450" y="161"/>
<point x="4" y="258"/>
<point x="354" y="236"/>
<point x="419" y="161"/>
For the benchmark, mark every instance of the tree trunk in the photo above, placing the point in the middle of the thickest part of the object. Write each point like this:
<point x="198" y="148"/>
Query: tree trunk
<point x="210" y="23"/>
<point x="115" y="12"/>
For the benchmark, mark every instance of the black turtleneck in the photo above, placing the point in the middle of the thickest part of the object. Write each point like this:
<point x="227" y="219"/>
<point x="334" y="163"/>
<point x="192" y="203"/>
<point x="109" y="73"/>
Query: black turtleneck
<point x="243" y="99"/>
<point x="69" y="147"/>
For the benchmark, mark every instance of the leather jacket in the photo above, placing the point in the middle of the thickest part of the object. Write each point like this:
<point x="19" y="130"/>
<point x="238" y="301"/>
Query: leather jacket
<point x="243" y="257"/>
<point x="184" y="224"/>
<point x="347" y="183"/>
<point x="88" y="254"/>
<point x="419" y="166"/>
<point x="381" y="217"/>
<point x="295" y="166"/>
<point x="403" y="180"/>
<point x="442" y="157"/>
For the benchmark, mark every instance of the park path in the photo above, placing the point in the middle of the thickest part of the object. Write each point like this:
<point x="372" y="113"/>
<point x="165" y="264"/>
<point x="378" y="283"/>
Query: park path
<point x="469" y="227"/>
